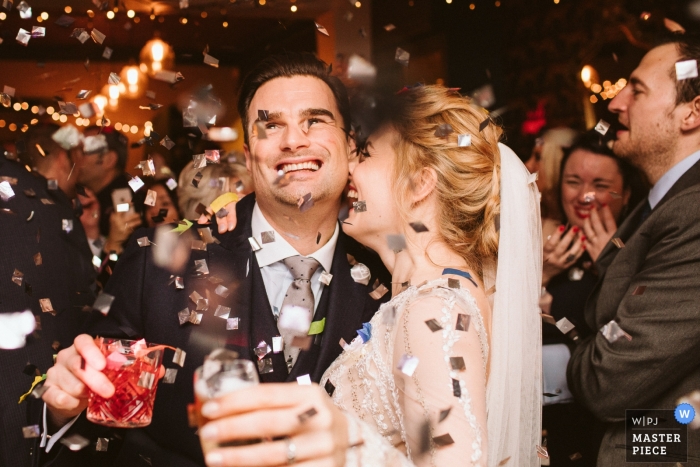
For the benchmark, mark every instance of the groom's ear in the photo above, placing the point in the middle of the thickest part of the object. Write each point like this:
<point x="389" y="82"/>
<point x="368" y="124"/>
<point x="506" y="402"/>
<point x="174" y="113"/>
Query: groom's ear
<point x="423" y="184"/>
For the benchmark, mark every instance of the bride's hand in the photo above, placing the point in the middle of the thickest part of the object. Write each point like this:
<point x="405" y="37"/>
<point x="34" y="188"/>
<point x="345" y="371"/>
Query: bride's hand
<point x="312" y="429"/>
<point x="561" y="251"/>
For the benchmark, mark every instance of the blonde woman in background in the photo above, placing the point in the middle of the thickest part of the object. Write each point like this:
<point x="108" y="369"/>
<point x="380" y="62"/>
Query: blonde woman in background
<point x="216" y="180"/>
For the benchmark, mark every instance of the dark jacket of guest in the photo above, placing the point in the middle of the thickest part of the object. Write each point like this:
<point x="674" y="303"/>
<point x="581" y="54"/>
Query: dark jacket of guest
<point x="147" y="305"/>
<point x="651" y="288"/>
<point x="55" y="263"/>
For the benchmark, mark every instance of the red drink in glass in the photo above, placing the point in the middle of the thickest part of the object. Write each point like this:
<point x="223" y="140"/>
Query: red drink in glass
<point x="133" y="369"/>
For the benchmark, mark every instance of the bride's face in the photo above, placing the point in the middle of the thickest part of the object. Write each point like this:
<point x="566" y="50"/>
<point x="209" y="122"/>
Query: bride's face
<point x="372" y="178"/>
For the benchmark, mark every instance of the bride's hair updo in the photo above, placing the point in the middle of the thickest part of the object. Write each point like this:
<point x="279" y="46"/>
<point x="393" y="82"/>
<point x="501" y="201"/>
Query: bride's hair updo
<point x="467" y="189"/>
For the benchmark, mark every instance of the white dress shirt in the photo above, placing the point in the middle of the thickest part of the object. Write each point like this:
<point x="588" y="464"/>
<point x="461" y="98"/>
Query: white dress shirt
<point x="670" y="178"/>
<point x="276" y="275"/>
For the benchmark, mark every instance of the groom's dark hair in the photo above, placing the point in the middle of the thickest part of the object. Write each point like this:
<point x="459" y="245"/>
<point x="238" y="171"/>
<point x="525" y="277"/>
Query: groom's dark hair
<point x="287" y="65"/>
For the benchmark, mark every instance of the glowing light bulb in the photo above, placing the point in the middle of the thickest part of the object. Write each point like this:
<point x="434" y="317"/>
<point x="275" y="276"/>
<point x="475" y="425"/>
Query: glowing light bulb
<point x="157" y="52"/>
<point x="113" y="91"/>
<point x="110" y="15"/>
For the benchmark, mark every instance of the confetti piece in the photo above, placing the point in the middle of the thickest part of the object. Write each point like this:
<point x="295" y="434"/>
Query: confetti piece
<point x="639" y="290"/>
<point x="457" y="363"/>
<point x="602" y="127"/>
<point x="179" y="357"/>
<point x="453" y="283"/>
<point x="113" y="78"/>
<point x="143" y="242"/>
<point x="267" y="237"/>
<point x="443" y="440"/>
<point x="564" y="325"/>
<point x="542" y="452"/>
<point x="360" y="69"/>
<point x="443" y="130"/>
<point x="686" y="69"/>
<point x="484" y="124"/>
<point x="433" y="325"/>
<point x="6" y="191"/>
<point x="325" y="278"/>
<point x="305" y="203"/>
<point x="209" y="60"/>
<point x="304" y="380"/>
<point x="407" y="364"/>
<point x="402" y="57"/>
<point x="303" y="417"/>
<point x="444" y="414"/>
<point x="74" y="442"/>
<point x="549" y="319"/>
<point x="360" y="206"/>
<point x="97" y="36"/>
<point x="14" y="327"/>
<point x="38" y="31"/>
<point x="575" y="456"/>
<point x="456" y="388"/>
<point x="463" y="321"/>
<point x="259" y="130"/>
<point x="613" y="332"/>
<point x="103" y="303"/>
<point x="277" y="344"/>
<point x="396" y="242"/>
<point x="231" y="324"/>
<point x="146" y="380"/>
<point x="31" y="431"/>
<point x="330" y="389"/>
<point x="23" y="37"/>
<point x="46" y="306"/>
<point x="322" y="30"/>
<point x="254" y="244"/>
<point x="618" y="242"/>
<point x="379" y="292"/>
<point x="265" y="366"/>
<point x="136" y="184"/>
<point x="107" y="53"/>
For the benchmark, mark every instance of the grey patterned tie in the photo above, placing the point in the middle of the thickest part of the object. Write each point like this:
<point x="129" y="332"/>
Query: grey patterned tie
<point x="298" y="294"/>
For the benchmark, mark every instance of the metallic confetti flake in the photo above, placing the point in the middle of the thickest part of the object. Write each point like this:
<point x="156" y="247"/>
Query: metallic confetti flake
<point x="46" y="306"/>
<point x="407" y="364"/>
<point x="361" y="70"/>
<point x="613" y="332"/>
<point x="443" y="440"/>
<point x="189" y="118"/>
<point x="232" y="324"/>
<point x="418" y="226"/>
<point x="686" y="69"/>
<point x="40" y="390"/>
<point x="484" y="124"/>
<point x="103" y="303"/>
<point x="564" y="325"/>
<point x="575" y="456"/>
<point x="222" y="312"/>
<point x="589" y="197"/>
<point x="107" y="54"/>
<point x="433" y="325"/>
<point x="396" y="242"/>
<point x="464" y="141"/>
<point x="83" y="94"/>
<point x="9" y="90"/>
<point x="200" y="161"/>
<point x="221" y="213"/>
<point x="457" y="363"/>
<point x="196" y="318"/>
<point x="305" y="202"/>
<point x="263" y="115"/>
<point x="209" y="60"/>
<point x="74" y="442"/>
<point x="265" y="366"/>
<point x="95" y="144"/>
<point x="254" y="244"/>
<point x="198" y="245"/>
<point x="200" y="266"/>
<point x="222" y="291"/>
<point x="618" y="242"/>
<point x="262" y="349"/>
<point x="170" y="374"/>
<point x="325" y="278"/>
<point x="456" y="388"/>
<point x="38" y="31"/>
<point x="304" y="380"/>
<point x="321" y="29"/>
<point x="542" y="452"/>
<point x="462" y="322"/>
<point x="96" y="261"/>
<point x="103" y="443"/>
<point x="23" y="36"/>
<point x="206" y="235"/>
<point x="444" y="130"/>
<point x="389" y="27"/>
<point x="97" y="36"/>
<point x="150" y="198"/>
<point x="167" y="143"/>
<point x="143" y="241"/>
<point x="576" y="274"/>
<point x="113" y="78"/>
<point x="302" y="342"/>
<point x="171" y="184"/>
<point x="277" y="344"/>
<point x="548" y="319"/>
<point x="146" y="380"/>
<point x="123" y="207"/>
<point x="402" y="57"/>
<point x="67" y="108"/>
<point x="179" y="357"/>
<point x="379" y="292"/>
<point x="31" y="431"/>
<point x="47" y="202"/>
<point x="444" y="414"/>
<point x="267" y="237"/>
<point x="6" y="101"/>
<point x="38" y="261"/>
<point x="6" y="191"/>
<point x="602" y="127"/>
<point x="192" y="416"/>
<point x="639" y="290"/>
<point x="197" y="178"/>
<point x="195" y="297"/>
<point x="360" y="206"/>
<point x="184" y="316"/>
<point x="453" y="283"/>
<point x="169" y="77"/>
<point x="303" y="417"/>
<point x="136" y="184"/>
<point x="17" y="277"/>
<point x="213" y="156"/>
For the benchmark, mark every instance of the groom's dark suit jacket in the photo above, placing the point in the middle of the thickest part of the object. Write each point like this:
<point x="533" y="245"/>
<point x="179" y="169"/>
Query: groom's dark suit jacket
<point x="662" y="361"/>
<point x="147" y="306"/>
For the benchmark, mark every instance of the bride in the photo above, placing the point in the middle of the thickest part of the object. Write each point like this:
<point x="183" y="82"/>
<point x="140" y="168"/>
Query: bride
<point x="448" y="371"/>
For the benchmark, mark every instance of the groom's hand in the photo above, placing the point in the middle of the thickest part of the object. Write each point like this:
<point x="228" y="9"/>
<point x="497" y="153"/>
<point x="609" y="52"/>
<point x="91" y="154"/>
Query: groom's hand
<point x="226" y="223"/>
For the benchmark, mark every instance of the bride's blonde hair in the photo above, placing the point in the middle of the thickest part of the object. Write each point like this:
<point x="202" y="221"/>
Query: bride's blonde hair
<point x="468" y="177"/>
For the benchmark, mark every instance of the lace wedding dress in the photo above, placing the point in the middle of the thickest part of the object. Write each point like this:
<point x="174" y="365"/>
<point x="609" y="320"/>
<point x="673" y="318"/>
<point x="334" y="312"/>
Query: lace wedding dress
<point x="400" y="405"/>
<point x="415" y="386"/>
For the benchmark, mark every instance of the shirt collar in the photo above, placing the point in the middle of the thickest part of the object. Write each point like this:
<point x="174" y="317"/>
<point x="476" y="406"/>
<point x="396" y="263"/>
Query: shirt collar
<point x="280" y="249"/>
<point x="669" y="179"/>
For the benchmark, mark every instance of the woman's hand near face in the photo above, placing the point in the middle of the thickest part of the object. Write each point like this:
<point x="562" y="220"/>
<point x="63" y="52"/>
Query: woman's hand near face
<point x="317" y="431"/>
<point x="561" y="251"/>
<point x="599" y="229"/>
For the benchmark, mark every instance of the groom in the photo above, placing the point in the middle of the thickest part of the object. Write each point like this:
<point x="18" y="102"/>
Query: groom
<point x="287" y="249"/>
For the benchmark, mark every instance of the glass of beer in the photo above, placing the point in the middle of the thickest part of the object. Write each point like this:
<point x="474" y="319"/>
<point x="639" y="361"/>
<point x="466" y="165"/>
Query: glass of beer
<point x="133" y="369"/>
<point x="222" y="373"/>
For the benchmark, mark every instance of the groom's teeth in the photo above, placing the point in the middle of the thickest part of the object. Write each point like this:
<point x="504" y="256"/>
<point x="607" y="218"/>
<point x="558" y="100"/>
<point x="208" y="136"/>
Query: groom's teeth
<point x="352" y="194"/>
<point x="313" y="166"/>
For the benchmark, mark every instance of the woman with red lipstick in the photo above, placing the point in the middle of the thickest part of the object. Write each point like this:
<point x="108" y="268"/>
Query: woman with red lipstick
<point x="596" y="191"/>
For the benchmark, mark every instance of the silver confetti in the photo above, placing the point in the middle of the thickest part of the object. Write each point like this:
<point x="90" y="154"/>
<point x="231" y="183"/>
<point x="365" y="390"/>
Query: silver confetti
<point x="462" y="322"/>
<point x="31" y="431"/>
<point x="222" y="312"/>
<point x="150" y="198"/>
<point x="407" y="364"/>
<point x="74" y="442"/>
<point x="179" y="357"/>
<point x="396" y="242"/>
<point x="97" y="36"/>
<point x="146" y="380"/>
<point x="402" y="56"/>
<point x="602" y="127"/>
<point x="102" y="444"/>
<point x="613" y="332"/>
<point x="103" y="303"/>
<point x="170" y="374"/>
<point x="360" y="206"/>
<point x="267" y="237"/>
<point x="564" y="325"/>
<point x="686" y="69"/>
<point x="464" y="141"/>
<point x="231" y="324"/>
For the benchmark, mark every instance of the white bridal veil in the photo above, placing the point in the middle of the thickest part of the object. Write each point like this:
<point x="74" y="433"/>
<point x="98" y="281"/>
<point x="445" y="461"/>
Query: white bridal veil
<point x="514" y="391"/>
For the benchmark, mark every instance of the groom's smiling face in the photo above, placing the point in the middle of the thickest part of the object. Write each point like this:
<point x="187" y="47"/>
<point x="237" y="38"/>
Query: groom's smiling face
<point x="304" y="148"/>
